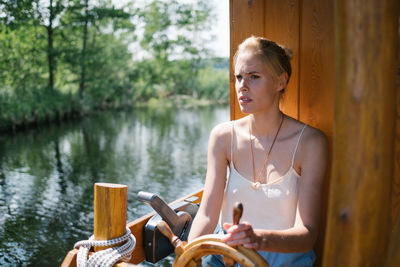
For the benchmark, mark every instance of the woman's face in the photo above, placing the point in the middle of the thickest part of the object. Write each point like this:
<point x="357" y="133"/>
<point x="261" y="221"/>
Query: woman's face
<point x="257" y="90"/>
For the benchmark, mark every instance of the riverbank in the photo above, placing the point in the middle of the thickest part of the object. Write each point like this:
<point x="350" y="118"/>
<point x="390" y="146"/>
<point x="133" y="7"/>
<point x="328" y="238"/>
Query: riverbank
<point x="19" y="113"/>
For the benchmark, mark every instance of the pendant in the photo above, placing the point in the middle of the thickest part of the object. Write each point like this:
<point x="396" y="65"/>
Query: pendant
<point x="256" y="185"/>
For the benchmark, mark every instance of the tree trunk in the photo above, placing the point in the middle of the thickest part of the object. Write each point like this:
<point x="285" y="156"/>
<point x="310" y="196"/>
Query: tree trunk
<point x="50" y="54"/>
<point x="83" y="53"/>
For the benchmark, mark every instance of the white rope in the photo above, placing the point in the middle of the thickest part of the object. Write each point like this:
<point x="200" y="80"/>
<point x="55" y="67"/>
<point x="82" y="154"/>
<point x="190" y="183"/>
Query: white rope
<point x="107" y="257"/>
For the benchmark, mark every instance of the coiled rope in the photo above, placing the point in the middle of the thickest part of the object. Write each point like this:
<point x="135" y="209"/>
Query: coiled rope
<point x="107" y="257"/>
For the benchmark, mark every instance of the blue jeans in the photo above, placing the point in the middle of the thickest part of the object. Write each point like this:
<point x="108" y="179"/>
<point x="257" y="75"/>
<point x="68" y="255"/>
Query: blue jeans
<point x="274" y="259"/>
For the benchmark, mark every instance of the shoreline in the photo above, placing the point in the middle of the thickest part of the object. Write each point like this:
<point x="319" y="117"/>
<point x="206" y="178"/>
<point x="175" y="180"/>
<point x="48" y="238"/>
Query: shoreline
<point x="59" y="115"/>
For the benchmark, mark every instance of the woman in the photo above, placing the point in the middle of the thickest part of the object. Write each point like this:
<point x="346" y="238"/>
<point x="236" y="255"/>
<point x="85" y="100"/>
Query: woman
<point x="276" y="166"/>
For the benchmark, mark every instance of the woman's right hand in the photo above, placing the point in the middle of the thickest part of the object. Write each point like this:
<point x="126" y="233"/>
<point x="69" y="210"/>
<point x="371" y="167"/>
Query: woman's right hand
<point x="241" y="234"/>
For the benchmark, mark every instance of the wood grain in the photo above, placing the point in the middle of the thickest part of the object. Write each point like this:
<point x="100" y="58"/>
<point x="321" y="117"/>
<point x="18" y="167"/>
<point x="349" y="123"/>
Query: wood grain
<point x="282" y="25"/>
<point x="396" y="176"/>
<point x="110" y="206"/>
<point x="317" y="85"/>
<point x="359" y="203"/>
<point x="393" y="258"/>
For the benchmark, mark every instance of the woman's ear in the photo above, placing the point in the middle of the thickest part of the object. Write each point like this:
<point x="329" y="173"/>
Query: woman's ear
<point x="282" y="81"/>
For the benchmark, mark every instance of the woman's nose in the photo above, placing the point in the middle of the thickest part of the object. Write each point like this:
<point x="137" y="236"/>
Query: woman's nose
<point x="243" y="86"/>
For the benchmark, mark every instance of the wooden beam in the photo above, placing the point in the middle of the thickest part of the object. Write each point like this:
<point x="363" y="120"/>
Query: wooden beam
<point x="359" y="203"/>
<point x="393" y="258"/>
<point x="396" y="182"/>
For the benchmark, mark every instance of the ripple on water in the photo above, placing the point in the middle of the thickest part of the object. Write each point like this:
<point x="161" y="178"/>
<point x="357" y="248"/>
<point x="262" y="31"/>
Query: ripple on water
<point x="47" y="177"/>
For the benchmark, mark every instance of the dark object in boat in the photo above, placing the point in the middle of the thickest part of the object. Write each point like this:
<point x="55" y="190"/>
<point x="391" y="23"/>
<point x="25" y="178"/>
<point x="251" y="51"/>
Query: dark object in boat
<point x="179" y="218"/>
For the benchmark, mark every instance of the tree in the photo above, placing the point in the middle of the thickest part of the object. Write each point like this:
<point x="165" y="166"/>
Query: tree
<point x="169" y="28"/>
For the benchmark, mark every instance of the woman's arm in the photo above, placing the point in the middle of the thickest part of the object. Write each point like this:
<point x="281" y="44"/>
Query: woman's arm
<point x="313" y="161"/>
<point x="218" y="156"/>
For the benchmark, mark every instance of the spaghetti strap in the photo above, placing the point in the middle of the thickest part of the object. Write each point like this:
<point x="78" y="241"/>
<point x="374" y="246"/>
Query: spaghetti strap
<point x="232" y="130"/>
<point x="297" y="144"/>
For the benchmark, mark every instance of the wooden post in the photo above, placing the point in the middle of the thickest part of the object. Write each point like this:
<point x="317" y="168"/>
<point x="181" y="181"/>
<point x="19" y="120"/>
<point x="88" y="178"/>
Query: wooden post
<point x="360" y="187"/>
<point x="110" y="201"/>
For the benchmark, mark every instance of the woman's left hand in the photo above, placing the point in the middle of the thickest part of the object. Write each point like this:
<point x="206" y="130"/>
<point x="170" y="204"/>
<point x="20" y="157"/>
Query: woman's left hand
<point x="241" y="234"/>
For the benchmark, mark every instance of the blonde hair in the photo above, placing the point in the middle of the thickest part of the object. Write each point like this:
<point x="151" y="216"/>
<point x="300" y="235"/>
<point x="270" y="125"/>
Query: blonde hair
<point x="276" y="57"/>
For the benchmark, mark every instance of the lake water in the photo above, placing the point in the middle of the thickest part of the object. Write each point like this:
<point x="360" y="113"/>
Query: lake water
<point x="47" y="174"/>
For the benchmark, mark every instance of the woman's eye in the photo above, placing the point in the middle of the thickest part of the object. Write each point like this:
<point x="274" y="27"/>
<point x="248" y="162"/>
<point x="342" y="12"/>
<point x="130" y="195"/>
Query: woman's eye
<point x="238" y="77"/>
<point x="254" y="77"/>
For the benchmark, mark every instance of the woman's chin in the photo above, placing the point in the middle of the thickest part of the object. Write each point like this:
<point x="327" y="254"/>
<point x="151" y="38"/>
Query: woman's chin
<point x="245" y="110"/>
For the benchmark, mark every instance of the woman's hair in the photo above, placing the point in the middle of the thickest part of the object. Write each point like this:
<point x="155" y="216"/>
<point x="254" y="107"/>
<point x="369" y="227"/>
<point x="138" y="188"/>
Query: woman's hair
<point x="276" y="57"/>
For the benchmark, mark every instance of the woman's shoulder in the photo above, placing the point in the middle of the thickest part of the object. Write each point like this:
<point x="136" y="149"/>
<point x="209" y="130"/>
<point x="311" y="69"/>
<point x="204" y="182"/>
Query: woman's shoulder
<point x="310" y="136"/>
<point x="220" y="138"/>
<point x="314" y="137"/>
<point x="226" y="128"/>
<point x="221" y="131"/>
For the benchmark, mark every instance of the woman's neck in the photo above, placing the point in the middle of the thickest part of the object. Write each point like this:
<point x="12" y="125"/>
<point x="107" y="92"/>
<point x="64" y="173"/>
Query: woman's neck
<point x="265" y="124"/>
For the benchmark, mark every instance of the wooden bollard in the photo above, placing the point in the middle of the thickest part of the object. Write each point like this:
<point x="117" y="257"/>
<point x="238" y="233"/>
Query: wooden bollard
<point x="110" y="204"/>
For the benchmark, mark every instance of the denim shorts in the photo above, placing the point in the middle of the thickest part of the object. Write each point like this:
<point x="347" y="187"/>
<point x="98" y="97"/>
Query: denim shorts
<point x="274" y="259"/>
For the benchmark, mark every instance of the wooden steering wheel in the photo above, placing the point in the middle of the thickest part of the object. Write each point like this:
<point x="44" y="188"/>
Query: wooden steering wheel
<point x="189" y="254"/>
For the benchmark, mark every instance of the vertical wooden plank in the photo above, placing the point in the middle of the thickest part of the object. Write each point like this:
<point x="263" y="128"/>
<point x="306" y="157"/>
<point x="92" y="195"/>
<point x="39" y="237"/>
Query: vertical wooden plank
<point x="317" y="83"/>
<point x="359" y="203"/>
<point x="246" y="19"/>
<point x="282" y="25"/>
<point x="393" y="258"/>
<point x="396" y="181"/>
<point x="317" y="68"/>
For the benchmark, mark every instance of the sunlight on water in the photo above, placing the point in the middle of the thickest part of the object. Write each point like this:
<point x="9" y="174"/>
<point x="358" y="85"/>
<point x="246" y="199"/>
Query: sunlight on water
<point x="47" y="175"/>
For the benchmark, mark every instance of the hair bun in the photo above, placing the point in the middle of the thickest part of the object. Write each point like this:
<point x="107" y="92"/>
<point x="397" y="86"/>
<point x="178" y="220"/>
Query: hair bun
<point x="288" y="52"/>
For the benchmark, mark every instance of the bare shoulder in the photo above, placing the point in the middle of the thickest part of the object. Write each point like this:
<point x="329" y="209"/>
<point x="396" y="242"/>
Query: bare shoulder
<point x="219" y="142"/>
<point x="313" y="150"/>
<point x="222" y="130"/>
<point x="313" y="145"/>
<point x="314" y="138"/>
<point x="310" y="137"/>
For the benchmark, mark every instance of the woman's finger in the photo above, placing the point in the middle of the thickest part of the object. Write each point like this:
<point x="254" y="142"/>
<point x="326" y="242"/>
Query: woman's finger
<point x="226" y="226"/>
<point x="236" y="242"/>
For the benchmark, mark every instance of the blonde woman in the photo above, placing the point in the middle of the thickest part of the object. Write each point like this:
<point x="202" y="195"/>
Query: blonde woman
<point x="276" y="166"/>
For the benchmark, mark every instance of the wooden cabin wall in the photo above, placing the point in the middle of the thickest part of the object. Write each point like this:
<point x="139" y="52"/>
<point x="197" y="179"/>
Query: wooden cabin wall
<point x="306" y="27"/>
<point x="366" y="35"/>
<point x="393" y="258"/>
<point x="317" y="84"/>
<point x="396" y="182"/>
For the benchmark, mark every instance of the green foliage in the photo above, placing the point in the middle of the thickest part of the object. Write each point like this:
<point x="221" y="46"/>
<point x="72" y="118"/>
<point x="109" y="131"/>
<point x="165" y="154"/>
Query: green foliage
<point x="176" y="59"/>
<point x="86" y="48"/>
<point x="23" y="60"/>
<point x="35" y="106"/>
<point x="213" y="84"/>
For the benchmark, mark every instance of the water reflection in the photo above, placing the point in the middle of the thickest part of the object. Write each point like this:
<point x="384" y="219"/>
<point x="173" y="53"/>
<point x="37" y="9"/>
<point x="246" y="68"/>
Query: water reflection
<point x="47" y="175"/>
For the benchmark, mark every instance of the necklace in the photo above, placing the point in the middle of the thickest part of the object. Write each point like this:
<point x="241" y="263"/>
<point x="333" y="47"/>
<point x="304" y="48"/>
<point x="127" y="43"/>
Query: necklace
<point x="256" y="179"/>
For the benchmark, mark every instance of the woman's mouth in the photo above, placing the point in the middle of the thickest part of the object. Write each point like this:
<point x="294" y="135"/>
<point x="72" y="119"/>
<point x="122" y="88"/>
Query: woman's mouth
<point x="244" y="100"/>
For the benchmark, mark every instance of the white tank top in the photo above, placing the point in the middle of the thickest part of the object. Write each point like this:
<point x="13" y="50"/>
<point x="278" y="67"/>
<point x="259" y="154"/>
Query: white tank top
<point x="272" y="206"/>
